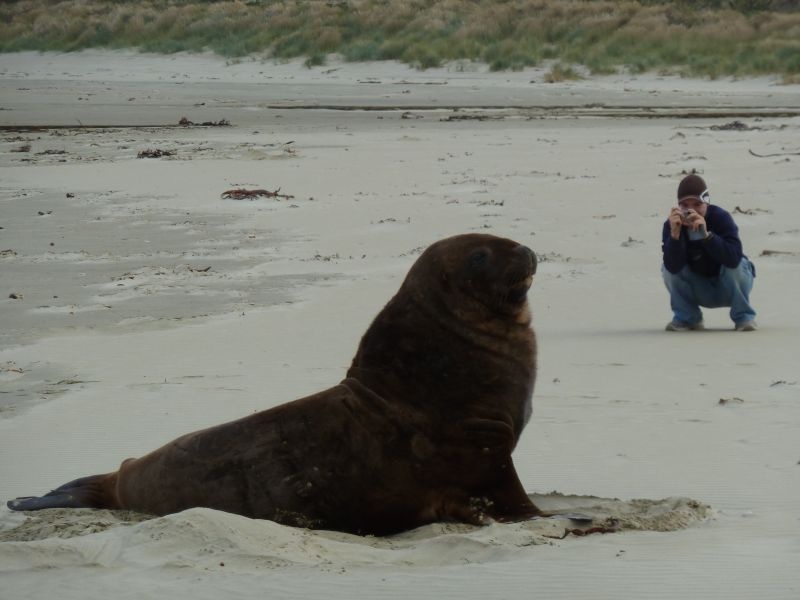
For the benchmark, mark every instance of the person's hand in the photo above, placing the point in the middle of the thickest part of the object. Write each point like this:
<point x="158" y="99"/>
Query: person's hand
<point x="675" y="222"/>
<point x="694" y="221"/>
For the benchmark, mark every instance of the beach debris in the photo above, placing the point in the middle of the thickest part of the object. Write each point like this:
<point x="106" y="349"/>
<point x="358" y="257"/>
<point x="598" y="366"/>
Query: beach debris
<point x="7" y="253"/>
<point x="413" y="252"/>
<point x="155" y="153"/>
<point x="631" y="242"/>
<point x="391" y="220"/>
<point x="187" y="123"/>
<point x="782" y="382"/>
<point x="73" y="381"/>
<point x="16" y="296"/>
<point x="608" y="525"/>
<point x="552" y="257"/>
<point x="750" y="211"/>
<point x="681" y="173"/>
<point x="778" y="253"/>
<point x="43" y="213"/>
<point x="733" y="400"/>
<point x="200" y="270"/>
<point x="326" y="257"/>
<point x="410" y="115"/>
<point x="733" y="126"/>
<point x="775" y="154"/>
<point x="22" y="148"/>
<point x="407" y="82"/>
<point x="243" y="194"/>
<point x="70" y="195"/>
<point x="613" y="528"/>
<point x="472" y="117"/>
<point x="50" y="151"/>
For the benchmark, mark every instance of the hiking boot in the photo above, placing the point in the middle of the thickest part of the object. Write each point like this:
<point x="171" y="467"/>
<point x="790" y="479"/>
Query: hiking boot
<point x="681" y="326"/>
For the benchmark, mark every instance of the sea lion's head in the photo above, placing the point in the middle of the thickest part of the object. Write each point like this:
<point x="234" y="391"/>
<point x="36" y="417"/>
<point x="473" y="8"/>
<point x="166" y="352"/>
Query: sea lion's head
<point x="458" y="332"/>
<point x="479" y="277"/>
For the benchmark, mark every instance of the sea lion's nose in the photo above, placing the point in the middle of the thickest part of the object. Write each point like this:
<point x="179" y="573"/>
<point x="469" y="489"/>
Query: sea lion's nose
<point x="530" y="253"/>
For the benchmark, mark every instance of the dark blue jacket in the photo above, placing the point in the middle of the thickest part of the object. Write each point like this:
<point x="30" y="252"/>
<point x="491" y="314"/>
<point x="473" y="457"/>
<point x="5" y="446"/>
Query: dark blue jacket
<point x="704" y="257"/>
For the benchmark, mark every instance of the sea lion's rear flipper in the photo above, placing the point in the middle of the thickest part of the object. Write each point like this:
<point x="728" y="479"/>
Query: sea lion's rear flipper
<point x="51" y="500"/>
<point x="86" y="492"/>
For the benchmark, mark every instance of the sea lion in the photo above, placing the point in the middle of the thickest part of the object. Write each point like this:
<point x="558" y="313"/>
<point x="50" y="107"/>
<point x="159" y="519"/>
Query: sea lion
<point x="421" y="429"/>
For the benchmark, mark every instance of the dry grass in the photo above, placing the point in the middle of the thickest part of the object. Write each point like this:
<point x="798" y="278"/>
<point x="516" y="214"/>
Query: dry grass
<point x="559" y="72"/>
<point x="692" y="36"/>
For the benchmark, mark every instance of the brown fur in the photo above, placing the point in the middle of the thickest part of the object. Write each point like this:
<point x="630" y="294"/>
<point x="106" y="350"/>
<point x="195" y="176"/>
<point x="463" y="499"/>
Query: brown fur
<point x="421" y="430"/>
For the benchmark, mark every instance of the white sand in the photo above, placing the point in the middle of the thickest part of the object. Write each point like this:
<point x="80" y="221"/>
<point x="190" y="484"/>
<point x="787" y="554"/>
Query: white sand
<point x="123" y="340"/>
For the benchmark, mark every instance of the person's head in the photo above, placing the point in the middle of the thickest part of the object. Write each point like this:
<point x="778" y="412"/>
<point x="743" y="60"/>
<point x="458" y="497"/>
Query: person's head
<point x="693" y="193"/>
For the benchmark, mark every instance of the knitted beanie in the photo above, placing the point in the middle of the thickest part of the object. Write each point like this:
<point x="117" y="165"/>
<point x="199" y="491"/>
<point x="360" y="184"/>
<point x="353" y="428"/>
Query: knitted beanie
<point x="693" y="186"/>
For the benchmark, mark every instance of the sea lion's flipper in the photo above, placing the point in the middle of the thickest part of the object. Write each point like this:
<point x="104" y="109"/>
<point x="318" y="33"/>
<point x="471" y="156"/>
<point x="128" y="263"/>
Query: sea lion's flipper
<point x="86" y="492"/>
<point x="51" y="500"/>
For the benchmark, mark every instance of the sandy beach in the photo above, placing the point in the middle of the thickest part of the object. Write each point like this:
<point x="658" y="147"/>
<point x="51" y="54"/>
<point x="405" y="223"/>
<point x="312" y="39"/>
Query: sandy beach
<point x="137" y="304"/>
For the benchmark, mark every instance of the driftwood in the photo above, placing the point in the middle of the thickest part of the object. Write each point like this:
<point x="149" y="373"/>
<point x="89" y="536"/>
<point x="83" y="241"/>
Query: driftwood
<point x="243" y="194"/>
<point x="778" y="253"/>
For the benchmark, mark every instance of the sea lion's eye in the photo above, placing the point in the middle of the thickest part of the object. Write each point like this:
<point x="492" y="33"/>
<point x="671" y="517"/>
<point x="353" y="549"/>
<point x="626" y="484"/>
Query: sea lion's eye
<point x="478" y="258"/>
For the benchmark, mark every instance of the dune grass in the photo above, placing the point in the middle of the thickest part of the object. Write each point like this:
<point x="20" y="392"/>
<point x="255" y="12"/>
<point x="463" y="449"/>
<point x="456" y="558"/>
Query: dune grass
<point x="692" y="37"/>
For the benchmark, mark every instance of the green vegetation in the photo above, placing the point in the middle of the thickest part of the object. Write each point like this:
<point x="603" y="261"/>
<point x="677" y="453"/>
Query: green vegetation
<point x="694" y="37"/>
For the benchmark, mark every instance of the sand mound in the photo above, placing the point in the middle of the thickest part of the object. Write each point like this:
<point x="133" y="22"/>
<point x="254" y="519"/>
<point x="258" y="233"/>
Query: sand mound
<point x="204" y="538"/>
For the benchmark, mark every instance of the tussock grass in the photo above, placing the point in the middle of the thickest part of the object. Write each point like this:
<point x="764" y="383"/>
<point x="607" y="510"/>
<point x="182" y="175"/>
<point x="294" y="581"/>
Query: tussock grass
<point x="694" y="37"/>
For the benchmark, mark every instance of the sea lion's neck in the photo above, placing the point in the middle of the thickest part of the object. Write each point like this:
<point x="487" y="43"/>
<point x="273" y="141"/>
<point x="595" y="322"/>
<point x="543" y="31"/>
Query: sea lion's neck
<point x="418" y="353"/>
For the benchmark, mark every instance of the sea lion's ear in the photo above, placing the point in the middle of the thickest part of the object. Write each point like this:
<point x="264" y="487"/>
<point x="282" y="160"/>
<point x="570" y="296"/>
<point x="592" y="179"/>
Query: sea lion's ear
<point x="444" y="277"/>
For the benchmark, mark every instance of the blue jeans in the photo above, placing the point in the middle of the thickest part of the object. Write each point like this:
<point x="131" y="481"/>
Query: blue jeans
<point x="689" y="291"/>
